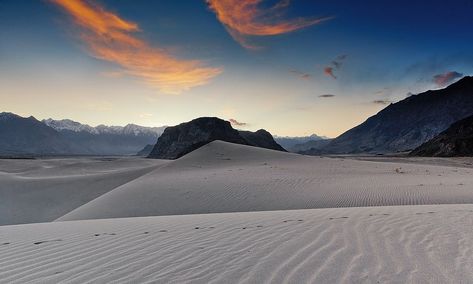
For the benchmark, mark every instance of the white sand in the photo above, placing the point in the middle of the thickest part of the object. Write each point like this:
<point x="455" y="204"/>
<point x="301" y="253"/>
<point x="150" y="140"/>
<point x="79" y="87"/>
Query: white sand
<point x="405" y="244"/>
<point x="224" y="177"/>
<point x="384" y="244"/>
<point x="45" y="189"/>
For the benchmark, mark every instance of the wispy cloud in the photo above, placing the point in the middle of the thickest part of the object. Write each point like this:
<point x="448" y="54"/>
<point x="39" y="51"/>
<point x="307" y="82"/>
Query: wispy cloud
<point x="235" y="122"/>
<point x="146" y="115"/>
<point x="336" y="64"/>
<point x="244" y="18"/>
<point x="327" y="96"/>
<point x="442" y="80"/>
<point x="300" y="74"/>
<point x="111" y="38"/>
<point x="381" y="102"/>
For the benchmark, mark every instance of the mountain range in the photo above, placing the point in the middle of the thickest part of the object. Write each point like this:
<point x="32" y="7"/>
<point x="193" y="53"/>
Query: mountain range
<point x="400" y="127"/>
<point x="297" y="143"/>
<point x="29" y="136"/>
<point x="405" y="125"/>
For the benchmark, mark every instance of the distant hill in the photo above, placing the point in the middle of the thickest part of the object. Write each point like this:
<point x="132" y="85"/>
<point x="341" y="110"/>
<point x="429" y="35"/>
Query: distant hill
<point x="456" y="141"/>
<point x="186" y="137"/>
<point x="405" y="125"/>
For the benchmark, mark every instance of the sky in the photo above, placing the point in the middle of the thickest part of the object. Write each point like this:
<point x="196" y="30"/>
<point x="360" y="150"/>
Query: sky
<point x="292" y="67"/>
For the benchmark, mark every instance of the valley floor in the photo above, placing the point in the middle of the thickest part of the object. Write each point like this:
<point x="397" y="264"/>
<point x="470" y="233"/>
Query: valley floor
<point x="272" y="217"/>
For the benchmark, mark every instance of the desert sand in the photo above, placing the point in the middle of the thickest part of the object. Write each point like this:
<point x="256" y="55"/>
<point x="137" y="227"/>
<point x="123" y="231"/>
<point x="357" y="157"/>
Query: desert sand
<point x="401" y="244"/>
<point x="271" y="217"/>
<point x="223" y="177"/>
<point x="45" y="189"/>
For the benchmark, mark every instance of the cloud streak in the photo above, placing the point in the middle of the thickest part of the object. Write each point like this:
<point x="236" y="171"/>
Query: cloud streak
<point x="111" y="38"/>
<point x="442" y="80"/>
<point x="235" y="122"/>
<point x="300" y="74"/>
<point x="381" y="102"/>
<point x="326" y="96"/>
<point x="244" y="18"/>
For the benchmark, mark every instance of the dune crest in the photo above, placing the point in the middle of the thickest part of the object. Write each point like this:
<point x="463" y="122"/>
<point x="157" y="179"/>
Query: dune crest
<point x="224" y="177"/>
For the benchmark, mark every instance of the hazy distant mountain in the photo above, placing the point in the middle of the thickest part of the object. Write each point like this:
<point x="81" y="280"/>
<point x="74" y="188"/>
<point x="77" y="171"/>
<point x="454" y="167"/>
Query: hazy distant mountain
<point x="179" y="140"/>
<point x="29" y="136"/>
<point x="289" y="142"/>
<point x="23" y="136"/>
<point x="106" y="140"/>
<point x="407" y="124"/>
<point x="310" y="146"/>
<point x="457" y="140"/>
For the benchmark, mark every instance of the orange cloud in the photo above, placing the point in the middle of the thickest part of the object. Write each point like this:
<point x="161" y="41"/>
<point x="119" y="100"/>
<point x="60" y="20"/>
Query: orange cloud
<point x="245" y="18"/>
<point x="444" y="79"/>
<point x="235" y="122"/>
<point x="111" y="38"/>
<point x="336" y="64"/>
<point x="329" y="72"/>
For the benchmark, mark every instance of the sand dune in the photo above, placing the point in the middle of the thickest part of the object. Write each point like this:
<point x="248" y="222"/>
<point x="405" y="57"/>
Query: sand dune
<point x="224" y="177"/>
<point x="404" y="244"/>
<point x="45" y="189"/>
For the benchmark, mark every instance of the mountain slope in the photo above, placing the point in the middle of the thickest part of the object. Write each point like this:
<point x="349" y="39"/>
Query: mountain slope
<point x="20" y="135"/>
<point x="407" y="124"/>
<point x="457" y="140"/>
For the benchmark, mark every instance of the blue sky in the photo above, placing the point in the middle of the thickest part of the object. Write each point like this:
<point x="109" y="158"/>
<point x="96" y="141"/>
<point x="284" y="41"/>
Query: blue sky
<point x="382" y="50"/>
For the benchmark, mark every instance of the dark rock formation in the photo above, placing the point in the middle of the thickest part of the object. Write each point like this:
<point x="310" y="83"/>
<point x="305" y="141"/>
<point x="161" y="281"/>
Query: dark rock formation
<point x="456" y="141"/>
<point x="262" y="139"/>
<point x="405" y="125"/>
<point x="179" y="140"/>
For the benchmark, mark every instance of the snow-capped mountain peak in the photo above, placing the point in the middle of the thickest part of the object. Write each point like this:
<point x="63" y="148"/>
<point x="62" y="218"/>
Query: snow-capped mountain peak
<point x="129" y="129"/>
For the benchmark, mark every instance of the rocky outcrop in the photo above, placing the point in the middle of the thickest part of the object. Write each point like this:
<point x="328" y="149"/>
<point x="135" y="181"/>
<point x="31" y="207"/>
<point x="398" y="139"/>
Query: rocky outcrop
<point x="179" y="140"/>
<point x="456" y="141"/>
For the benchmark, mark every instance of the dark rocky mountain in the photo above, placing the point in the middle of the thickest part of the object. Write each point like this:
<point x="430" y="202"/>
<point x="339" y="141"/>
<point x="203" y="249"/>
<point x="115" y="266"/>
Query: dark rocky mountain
<point x="456" y="141"/>
<point x="179" y="140"/>
<point x="29" y="136"/>
<point x="145" y="151"/>
<point x="261" y="138"/>
<point x="405" y="125"/>
<point x="288" y="142"/>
